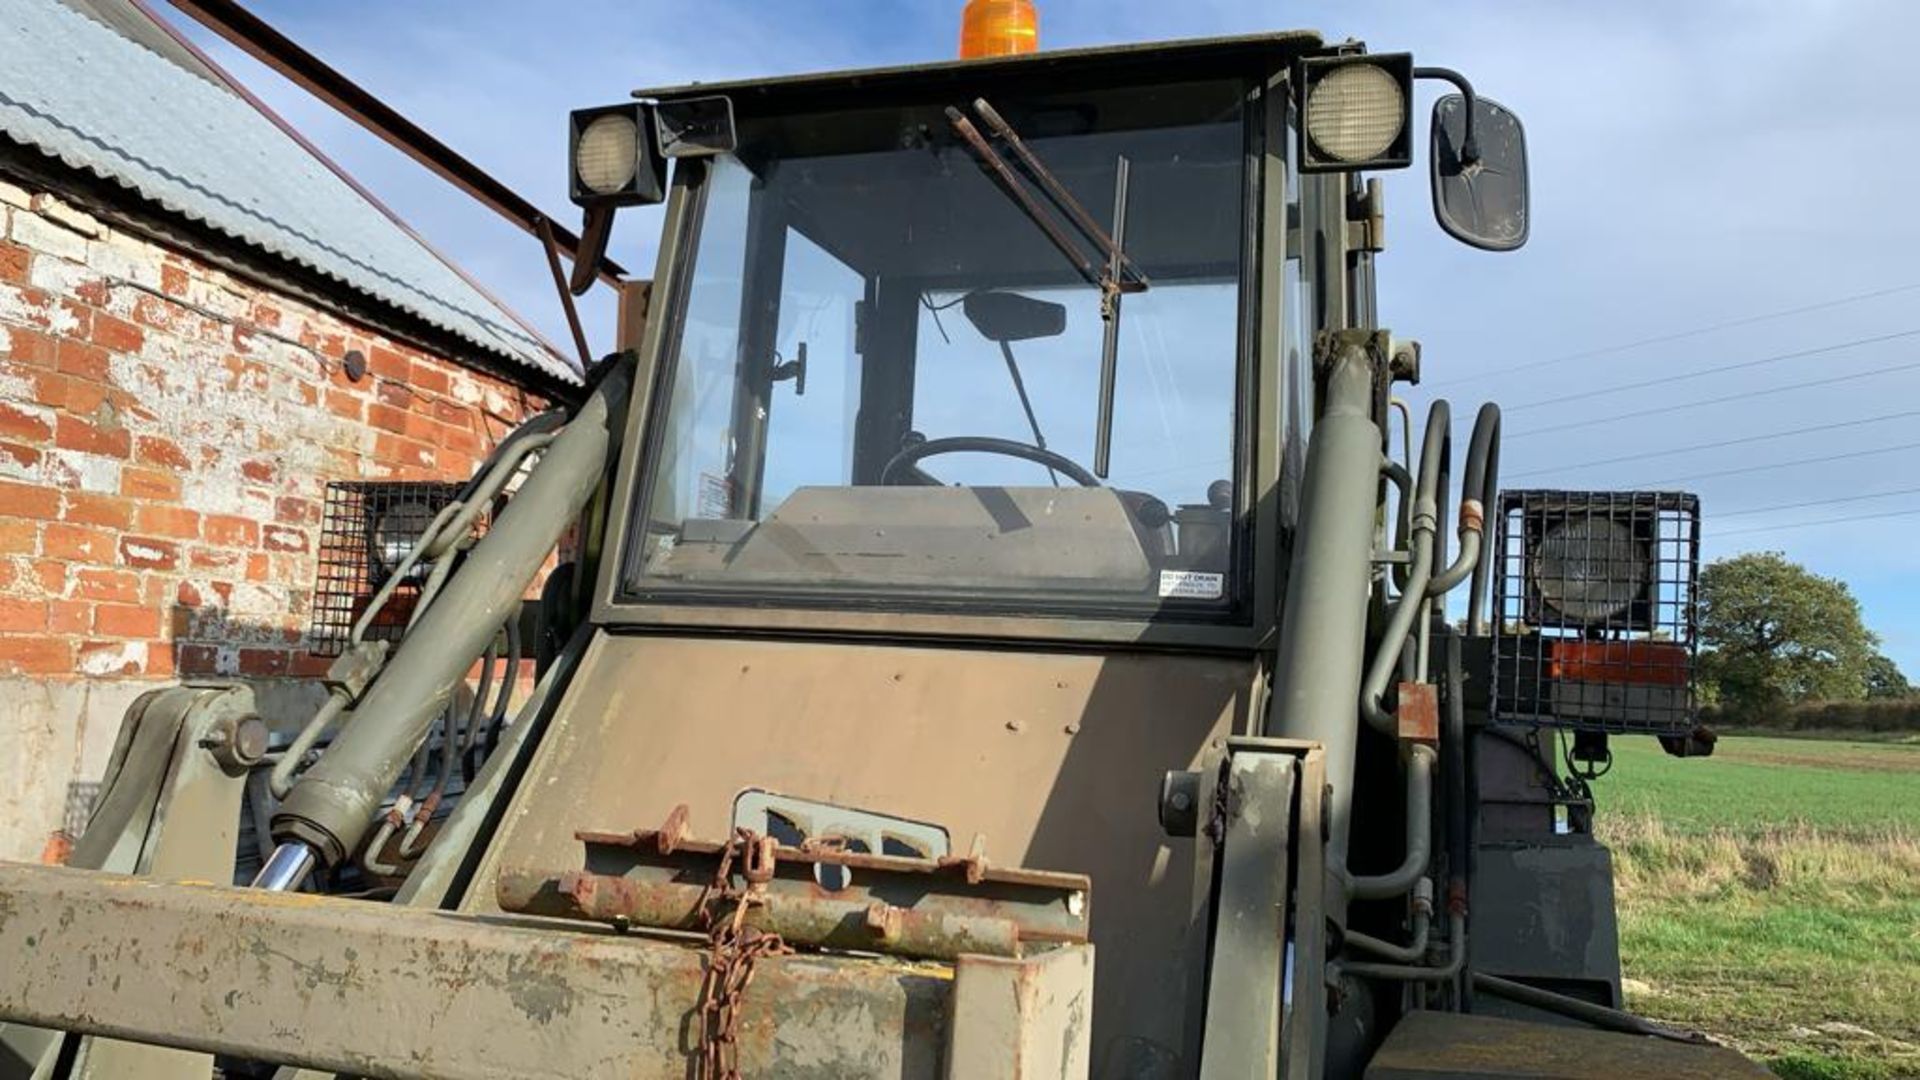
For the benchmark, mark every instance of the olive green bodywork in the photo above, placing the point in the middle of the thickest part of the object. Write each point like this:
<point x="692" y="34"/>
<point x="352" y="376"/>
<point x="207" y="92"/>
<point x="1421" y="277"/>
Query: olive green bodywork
<point x="1222" y="829"/>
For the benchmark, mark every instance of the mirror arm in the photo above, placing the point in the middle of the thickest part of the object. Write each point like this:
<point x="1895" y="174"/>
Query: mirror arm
<point x="1469" y="149"/>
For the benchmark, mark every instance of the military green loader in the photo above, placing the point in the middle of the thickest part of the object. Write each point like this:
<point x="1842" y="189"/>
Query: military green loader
<point x="1008" y="624"/>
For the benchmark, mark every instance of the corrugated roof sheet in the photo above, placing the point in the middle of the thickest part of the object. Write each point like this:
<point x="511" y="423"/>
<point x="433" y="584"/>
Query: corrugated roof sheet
<point x="80" y="92"/>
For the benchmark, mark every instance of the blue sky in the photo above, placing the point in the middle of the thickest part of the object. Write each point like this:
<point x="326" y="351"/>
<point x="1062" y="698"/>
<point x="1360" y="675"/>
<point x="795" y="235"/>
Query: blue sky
<point x="1693" y="166"/>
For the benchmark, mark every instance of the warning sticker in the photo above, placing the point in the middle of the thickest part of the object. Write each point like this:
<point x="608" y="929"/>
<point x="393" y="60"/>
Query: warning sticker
<point x="1192" y="584"/>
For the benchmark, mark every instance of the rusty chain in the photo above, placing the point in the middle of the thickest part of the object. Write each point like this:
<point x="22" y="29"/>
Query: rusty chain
<point x="733" y="949"/>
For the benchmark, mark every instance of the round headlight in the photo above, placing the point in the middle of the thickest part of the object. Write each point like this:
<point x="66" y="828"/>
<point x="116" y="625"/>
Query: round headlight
<point x="1355" y="112"/>
<point x="1590" y="569"/>
<point x="397" y="530"/>
<point x="608" y="154"/>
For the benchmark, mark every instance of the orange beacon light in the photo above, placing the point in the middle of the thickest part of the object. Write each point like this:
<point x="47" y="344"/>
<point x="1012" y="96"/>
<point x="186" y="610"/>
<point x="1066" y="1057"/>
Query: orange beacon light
<point x="998" y="28"/>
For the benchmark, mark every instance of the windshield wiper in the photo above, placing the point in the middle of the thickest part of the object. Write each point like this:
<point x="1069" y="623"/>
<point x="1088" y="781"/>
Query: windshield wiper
<point x="1118" y="276"/>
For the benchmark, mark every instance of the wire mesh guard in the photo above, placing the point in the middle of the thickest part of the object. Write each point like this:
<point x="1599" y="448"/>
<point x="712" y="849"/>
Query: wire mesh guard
<point x="1594" y="598"/>
<point x="366" y="530"/>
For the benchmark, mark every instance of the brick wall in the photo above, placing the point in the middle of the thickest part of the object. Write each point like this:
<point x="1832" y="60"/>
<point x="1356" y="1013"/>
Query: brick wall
<point x="166" y="434"/>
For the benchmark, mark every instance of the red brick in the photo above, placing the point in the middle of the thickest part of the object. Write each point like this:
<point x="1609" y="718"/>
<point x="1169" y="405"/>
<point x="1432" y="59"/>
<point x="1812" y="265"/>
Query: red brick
<point x="66" y="392"/>
<point x="51" y="576"/>
<point x="430" y="378"/>
<point x="259" y="471"/>
<point x="148" y="553"/>
<point x="195" y="659"/>
<point x="387" y="418"/>
<point x="19" y="537"/>
<point x="112" y="586"/>
<point x="160" y="659"/>
<point x="259" y="662"/>
<point x="215" y="559"/>
<point x="36" y="656"/>
<point x="117" y="335"/>
<point x="86" y="508"/>
<point x="229" y="530"/>
<point x="72" y="433"/>
<point x="293" y="510"/>
<point x="126" y="621"/>
<point x="458" y="416"/>
<point x="33" y="348"/>
<point x="153" y="450"/>
<point x="80" y="543"/>
<point x="19" y="458"/>
<point x="282" y="538"/>
<point x="115" y="651"/>
<point x="14" y="261"/>
<point x="394" y="394"/>
<point x="344" y="405"/>
<point x="150" y="484"/>
<point x="259" y="567"/>
<point x="387" y="363"/>
<point x="22" y="616"/>
<point x="18" y="423"/>
<point x="84" y="361"/>
<point x="169" y="521"/>
<point x="28" y="501"/>
<point x="69" y="617"/>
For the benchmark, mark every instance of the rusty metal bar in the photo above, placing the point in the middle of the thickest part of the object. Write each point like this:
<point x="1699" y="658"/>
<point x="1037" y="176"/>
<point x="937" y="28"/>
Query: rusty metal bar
<point x="931" y="909"/>
<point x="551" y="246"/>
<point x="258" y="39"/>
<point x="381" y="991"/>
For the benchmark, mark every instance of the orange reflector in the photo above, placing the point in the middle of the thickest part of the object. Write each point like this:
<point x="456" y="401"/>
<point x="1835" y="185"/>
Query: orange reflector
<point x="998" y="28"/>
<point x="1641" y="663"/>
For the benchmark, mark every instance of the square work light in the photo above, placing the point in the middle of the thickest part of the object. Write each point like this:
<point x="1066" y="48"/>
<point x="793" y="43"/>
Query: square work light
<point x="614" y="158"/>
<point x="1356" y="112"/>
<point x="1596" y="611"/>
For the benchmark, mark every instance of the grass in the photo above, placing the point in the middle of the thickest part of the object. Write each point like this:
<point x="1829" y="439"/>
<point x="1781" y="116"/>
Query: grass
<point x="1770" y="895"/>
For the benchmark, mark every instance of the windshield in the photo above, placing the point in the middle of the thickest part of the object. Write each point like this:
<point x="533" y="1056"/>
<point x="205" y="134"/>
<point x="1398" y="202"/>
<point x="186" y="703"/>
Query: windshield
<point x="885" y="375"/>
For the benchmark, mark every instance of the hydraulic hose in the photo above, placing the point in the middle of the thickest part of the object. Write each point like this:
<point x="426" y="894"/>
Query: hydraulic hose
<point x="1420" y="761"/>
<point x="332" y="807"/>
<point x="1599" y="1016"/>
<point x="1456" y="959"/>
<point x="1483" y="475"/>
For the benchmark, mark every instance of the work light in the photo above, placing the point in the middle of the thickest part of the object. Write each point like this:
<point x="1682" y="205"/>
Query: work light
<point x="1595" y="611"/>
<point x="1354" y="112"/>
<point x="614" y="157"/>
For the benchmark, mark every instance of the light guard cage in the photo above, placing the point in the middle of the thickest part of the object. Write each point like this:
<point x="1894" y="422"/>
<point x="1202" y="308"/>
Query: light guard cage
<point x="356" y="555"/>
<point x="1595" y="624"/>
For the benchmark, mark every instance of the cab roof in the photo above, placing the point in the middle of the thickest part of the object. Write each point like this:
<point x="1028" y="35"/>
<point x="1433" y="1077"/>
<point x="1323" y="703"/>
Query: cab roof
<point x="1164" y="60"/>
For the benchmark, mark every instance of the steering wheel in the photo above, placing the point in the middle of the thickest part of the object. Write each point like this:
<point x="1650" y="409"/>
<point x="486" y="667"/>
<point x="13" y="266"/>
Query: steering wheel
<point x="899" y="469"/>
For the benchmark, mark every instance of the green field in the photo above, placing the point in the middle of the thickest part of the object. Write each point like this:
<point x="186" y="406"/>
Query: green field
<point x="1770" y="895"/>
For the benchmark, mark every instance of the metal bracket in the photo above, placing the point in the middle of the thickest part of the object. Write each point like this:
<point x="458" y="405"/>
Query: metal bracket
<point x="1264" y="1013"/>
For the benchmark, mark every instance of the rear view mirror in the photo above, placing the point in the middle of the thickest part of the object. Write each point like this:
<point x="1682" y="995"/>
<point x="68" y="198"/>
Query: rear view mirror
<point x="1482" y="202"/>
<point x="1006" y="316"/>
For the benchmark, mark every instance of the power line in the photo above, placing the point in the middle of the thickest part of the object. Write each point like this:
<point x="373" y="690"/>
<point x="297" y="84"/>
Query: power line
<point x="1820" y="521"/>
<point x="1682" y="335"/>
<point x="1778" y="465"/>
<point x="1683" y="406"/>
<point x="1765" y="437"/>
<point x="1723" y="368"/>
<point x="1818" y="502"/>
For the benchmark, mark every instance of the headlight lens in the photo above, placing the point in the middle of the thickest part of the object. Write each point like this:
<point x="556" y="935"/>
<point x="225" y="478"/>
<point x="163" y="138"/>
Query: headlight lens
<point x="1355" y="112"/>
<point x="1590" y="569"/>
<point x="397" y="530"/>
<point x="607" y="154"/>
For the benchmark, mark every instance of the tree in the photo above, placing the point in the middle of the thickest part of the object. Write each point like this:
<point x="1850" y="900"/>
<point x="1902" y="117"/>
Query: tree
<point x="1773" y="633"/>
<point x="1885" y="680"/>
